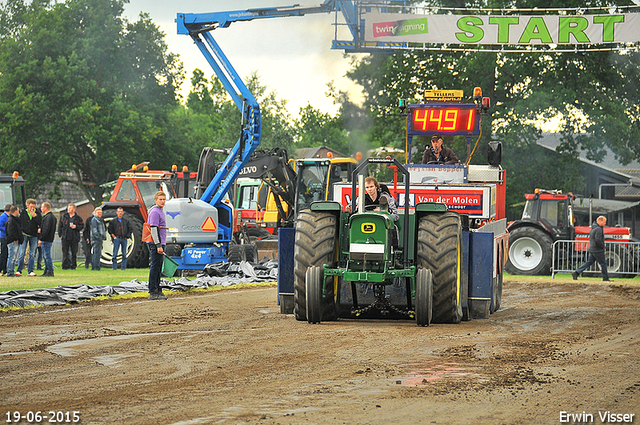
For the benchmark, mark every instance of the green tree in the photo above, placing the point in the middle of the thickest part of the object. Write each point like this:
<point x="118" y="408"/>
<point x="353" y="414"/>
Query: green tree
<point x="316" y="128"/>
<point x="212" y="118"/>
<point x="84" y="90"/>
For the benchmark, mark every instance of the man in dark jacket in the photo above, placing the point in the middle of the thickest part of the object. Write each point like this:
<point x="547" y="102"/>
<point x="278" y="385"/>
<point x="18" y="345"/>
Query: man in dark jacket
<point x="438" y="153"/>
<point x="30" y="220"/>
<point x="14" y="239"/>
<point x="596" y="249"/>
<point x="120" y="231"/>
<point x="47" y="234"/>
<point x="4" y="249"/>
<point x="69" y="229"/>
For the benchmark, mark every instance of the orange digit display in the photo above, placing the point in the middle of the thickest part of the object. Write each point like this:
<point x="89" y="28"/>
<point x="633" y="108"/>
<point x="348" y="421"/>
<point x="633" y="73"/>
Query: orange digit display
<point x="459" y="119"/>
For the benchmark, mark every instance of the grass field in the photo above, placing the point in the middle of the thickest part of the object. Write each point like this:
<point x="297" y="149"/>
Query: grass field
<point x="107" y="276"/>
<point x="80" y="276"/>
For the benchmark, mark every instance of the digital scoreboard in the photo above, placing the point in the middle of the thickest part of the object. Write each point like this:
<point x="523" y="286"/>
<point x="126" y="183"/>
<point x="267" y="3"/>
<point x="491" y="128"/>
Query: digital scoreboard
<point x="458" y="119"/>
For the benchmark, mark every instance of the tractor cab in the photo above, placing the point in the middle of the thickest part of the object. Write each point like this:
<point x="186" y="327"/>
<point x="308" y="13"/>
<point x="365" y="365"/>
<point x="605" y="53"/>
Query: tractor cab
<point x="317" y="177"/>
<point x="553" y="210"/>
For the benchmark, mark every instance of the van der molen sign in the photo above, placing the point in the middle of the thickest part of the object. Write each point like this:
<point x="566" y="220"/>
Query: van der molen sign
<point x="512" y="30"/>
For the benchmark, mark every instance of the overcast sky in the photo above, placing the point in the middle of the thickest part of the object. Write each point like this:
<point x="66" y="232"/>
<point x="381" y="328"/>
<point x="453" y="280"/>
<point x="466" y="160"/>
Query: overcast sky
<point x="292" y="55"/>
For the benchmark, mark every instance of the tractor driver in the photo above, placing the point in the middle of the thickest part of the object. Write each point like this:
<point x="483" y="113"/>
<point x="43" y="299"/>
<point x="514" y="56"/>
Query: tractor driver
<point x="374" y="195"/>
<point x="436" y="153"/>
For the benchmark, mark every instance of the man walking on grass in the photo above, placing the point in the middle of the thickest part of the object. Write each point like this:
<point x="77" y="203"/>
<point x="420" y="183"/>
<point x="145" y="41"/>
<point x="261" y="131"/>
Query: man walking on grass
<point x="596" y="249"/>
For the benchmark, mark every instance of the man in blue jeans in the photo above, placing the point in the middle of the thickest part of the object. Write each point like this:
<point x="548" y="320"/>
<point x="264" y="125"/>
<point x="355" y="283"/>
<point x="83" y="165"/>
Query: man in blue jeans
<point x="4" y="249"/>
<point x="15" y="237"/>
<point x="30" y="220"/>
<point x="596" y="249"/>
<point x="47" y="234"/>
<point x="120" y="231"/>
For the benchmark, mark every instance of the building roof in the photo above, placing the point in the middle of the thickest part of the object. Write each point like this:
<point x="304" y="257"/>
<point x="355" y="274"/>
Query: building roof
<point x="609" y="164"/>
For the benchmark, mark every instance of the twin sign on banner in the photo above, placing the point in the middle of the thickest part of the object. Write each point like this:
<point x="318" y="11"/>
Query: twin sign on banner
<point x="513" y="30"/>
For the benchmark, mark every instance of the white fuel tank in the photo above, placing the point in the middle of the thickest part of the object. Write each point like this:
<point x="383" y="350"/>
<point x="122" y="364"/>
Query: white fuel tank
<point x="191" y="221"/>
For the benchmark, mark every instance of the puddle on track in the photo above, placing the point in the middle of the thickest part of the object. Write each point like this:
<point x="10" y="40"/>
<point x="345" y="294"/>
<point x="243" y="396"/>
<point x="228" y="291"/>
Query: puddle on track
<point x="428" y="372"/>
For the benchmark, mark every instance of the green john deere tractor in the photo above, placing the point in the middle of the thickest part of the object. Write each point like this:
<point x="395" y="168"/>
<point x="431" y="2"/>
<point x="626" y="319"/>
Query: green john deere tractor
<point x="353" y="265"/>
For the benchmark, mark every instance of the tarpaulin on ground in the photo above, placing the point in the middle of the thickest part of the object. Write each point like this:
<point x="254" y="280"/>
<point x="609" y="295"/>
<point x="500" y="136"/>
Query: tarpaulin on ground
<point x="218" y="274"/>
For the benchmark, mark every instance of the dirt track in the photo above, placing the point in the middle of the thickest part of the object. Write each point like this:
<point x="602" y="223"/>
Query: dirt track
<point x="231" y="357"/>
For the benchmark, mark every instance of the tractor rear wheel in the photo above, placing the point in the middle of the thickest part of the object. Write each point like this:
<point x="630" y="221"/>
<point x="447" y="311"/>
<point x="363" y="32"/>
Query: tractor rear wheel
<point x="439" y="250"/>
<point x="529" y="252"/>
<point x="137" y="251"/>
<point x="315" y="245"/>
<point x="424" y="297"/>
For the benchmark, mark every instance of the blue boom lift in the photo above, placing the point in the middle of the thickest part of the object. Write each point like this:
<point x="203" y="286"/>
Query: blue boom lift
<point x="200" y="230"/>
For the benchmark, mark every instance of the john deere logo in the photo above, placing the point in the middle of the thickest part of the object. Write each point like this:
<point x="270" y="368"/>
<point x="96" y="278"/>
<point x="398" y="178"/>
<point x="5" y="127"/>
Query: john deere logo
<point x="368" y="227"/>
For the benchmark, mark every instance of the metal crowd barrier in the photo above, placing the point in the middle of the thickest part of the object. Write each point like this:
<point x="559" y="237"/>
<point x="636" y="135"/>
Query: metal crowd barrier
<point x="623" y="259"/>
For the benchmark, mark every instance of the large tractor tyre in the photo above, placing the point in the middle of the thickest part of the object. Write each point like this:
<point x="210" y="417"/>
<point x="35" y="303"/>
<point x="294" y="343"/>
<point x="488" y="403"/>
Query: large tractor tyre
<point x="439" y="250"/>
<point x="257" y="233"/>
<point x="315" y="245"/>
<point x="424" y="297"/>
<point x="137" y="251"/>
<point x="314" y="294"/>
<point x="529" y="252"/>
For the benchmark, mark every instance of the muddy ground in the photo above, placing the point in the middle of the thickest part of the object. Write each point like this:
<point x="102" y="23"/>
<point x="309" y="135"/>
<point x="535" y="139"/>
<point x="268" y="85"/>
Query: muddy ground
<point x="231" y="357"/>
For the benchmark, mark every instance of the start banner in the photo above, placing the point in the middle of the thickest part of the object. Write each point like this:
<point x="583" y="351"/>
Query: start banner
<point x="512" y="30"/>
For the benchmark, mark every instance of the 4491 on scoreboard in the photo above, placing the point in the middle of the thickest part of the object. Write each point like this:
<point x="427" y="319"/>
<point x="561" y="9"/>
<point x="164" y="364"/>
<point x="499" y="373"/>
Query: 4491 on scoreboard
<point x="442" y="113"/>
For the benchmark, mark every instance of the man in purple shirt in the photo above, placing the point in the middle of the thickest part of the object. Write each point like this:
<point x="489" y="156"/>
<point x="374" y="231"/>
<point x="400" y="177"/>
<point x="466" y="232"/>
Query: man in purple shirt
<point x="156" y="248"/>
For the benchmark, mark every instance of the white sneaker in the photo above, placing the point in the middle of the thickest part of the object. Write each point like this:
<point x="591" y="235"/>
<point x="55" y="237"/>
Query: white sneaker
<point x="18" y="274"/>
<point x="32" y="274"/>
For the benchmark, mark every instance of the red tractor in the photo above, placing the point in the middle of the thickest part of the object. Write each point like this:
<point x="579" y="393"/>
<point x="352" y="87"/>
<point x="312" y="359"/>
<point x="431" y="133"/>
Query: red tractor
<point x="548" y="217"/>
<point x="134" y="192"/>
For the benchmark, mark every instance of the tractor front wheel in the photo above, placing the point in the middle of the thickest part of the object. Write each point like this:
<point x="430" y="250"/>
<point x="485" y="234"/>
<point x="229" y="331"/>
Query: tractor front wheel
<point x="314" y="294"/>
<point x="424" y="297"/>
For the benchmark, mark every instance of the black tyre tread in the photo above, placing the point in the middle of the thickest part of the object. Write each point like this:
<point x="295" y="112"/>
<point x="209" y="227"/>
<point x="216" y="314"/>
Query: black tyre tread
<point x="235" y="253"/>
<point x="424" y="297"/>
<point x="437" y="250"/>
<point x="545" y="241"/>
<point x="315" y="245"/>
<point x="139" y="256"/>
<point x="314" y="294"/>
<point x="250" y="253"/>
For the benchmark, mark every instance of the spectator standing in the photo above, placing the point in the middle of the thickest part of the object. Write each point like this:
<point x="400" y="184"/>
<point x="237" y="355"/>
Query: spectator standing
<point x="596" y="249"/>
<point x="120" y="231"/>
<point x="86" y="242"/>
<point x="98" y="236"/>
<point x="69" y="229"/>
<point x="3" y="240"/>
<point x="158" y="224"/>
<point x="14" y="240"/>
<point x="47" y="234"/>
<point x="30" y="220"/>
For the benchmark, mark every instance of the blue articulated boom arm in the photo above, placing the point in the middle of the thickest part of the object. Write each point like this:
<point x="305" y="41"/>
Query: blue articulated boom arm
<point x="199" y="26"/>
